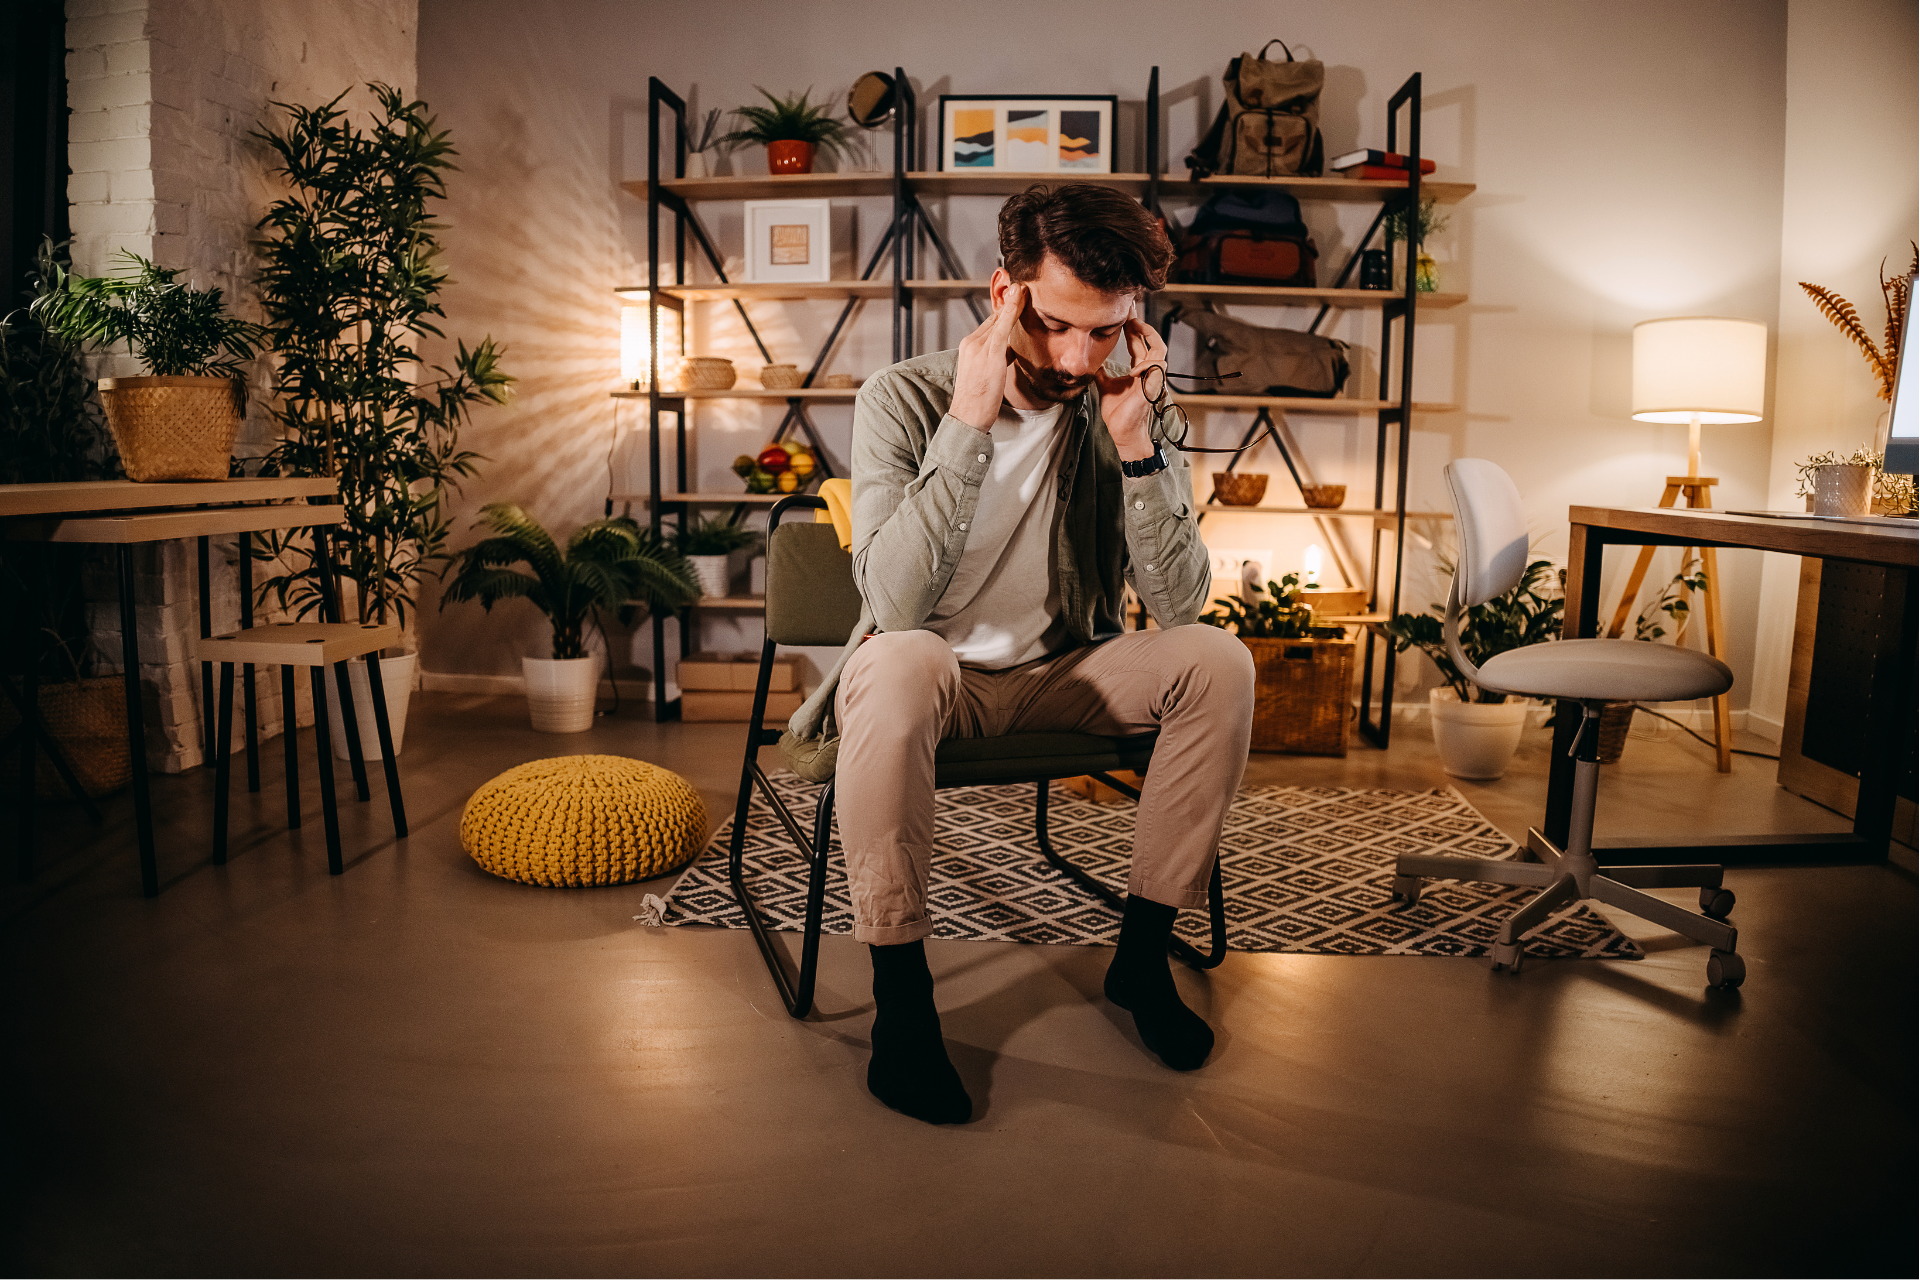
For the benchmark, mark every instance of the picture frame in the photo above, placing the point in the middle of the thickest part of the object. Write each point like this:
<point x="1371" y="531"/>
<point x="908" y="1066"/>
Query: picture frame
<point x="788" y="241"/>
<point x="1064" y="133"/>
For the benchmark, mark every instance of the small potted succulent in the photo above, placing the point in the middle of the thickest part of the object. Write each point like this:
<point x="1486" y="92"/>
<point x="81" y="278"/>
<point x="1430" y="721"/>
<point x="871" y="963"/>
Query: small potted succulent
<point x="611" y="564"/>
<point x="178" y="422"/>
<point x="708" y="546"/>
<point x="791" y="129"/>
<point x="1475" y="730"/>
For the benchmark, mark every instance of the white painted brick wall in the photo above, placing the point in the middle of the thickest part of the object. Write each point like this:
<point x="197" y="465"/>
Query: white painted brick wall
<point x="163" y="96"/>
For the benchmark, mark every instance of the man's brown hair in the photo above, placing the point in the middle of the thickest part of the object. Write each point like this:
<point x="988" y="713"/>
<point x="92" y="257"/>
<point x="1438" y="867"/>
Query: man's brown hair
<point x="1105" y="238"/>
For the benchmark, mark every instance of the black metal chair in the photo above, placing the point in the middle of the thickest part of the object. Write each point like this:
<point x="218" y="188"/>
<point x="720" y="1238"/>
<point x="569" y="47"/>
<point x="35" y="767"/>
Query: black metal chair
<point x="811" y="600"/>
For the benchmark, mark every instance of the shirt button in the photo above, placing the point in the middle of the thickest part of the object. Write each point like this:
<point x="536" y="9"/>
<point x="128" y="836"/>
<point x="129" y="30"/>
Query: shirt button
<point x="1149" y="568"/>
<point x="963" y="524"/>
<point x="980" y="458"/>
<point x="1140" y="506"/>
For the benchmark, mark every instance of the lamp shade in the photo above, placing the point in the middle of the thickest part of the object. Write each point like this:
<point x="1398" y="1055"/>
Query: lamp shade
<point x="1702" y="366"/>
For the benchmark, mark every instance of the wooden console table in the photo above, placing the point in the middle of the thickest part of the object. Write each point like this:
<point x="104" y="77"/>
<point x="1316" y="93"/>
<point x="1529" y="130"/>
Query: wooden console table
<point x="1889" y="726"/>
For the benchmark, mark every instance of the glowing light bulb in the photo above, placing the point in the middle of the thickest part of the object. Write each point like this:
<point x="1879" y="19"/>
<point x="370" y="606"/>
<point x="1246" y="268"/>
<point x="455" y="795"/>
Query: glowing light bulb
<point x="1310" y="573"/>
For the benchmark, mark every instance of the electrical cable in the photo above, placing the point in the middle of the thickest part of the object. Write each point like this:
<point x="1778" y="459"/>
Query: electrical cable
<point x="601" y="627"/>
<point x="1738" y="751"/>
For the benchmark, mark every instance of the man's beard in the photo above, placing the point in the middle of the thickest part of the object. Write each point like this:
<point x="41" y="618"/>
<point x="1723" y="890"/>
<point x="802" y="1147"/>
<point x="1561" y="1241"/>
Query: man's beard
<point x="1052" y="385"/>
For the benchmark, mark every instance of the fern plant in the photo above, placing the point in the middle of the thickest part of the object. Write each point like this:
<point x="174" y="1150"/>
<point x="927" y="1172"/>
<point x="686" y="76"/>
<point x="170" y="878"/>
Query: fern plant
<point x="606" y="565"/>
<point x="1894" y="293"/>
<point x="1529" y="613"/>
<point x="173" y="329"/>
<point x="792" y="119"/>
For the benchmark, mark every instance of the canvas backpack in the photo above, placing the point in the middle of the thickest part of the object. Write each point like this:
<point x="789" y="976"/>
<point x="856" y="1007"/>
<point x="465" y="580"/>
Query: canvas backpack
<point x="1247" y="237"/>
<point x="1269" y="126"/>
<point x="1270" y="362"/>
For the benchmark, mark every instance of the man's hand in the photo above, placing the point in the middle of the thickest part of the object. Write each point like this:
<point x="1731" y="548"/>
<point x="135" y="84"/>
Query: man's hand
<point x="980" y="380"/>
<point x="1125" y="409"/>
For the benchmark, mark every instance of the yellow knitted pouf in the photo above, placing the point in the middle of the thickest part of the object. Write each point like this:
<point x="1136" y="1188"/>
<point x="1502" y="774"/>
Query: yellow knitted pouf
<point x="584" y="820"/>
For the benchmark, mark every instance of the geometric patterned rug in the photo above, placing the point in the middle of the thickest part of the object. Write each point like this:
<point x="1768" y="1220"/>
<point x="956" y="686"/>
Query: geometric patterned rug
<point x="1306" y="869"/>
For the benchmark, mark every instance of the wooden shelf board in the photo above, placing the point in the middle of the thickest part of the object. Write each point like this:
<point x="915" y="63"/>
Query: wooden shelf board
<point x="1305" y="404"/>
<point x="763" y="186"/>
<point x="749" y="393"/>
<point x="799" y="291"/>
<point x="732" y="604"/>
<point x="1257" y="295"/>
<point x="713" y="499"/>
<point x="130" y="495"/>
<point x="766" y="186"/>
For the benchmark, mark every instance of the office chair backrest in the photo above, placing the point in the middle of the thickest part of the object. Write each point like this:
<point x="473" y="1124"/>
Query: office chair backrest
<point x="811" y="598"/>
<point x="1492" y="530"/>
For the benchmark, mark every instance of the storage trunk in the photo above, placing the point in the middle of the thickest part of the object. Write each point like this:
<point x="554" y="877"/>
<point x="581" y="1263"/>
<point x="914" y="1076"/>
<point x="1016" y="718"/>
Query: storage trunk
<point x="1300" y="690"/>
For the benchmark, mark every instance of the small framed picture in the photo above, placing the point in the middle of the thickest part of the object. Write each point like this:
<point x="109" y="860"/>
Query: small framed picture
<point x="1070" y="133"/>
<point x="789" y="240"/>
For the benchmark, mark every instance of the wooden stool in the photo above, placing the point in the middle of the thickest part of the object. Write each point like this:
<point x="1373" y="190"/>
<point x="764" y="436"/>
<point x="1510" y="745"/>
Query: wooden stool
<point x="317" y="646"/>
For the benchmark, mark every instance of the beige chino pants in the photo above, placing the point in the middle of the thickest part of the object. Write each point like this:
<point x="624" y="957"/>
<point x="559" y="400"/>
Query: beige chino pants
<point x="902" y="692"/>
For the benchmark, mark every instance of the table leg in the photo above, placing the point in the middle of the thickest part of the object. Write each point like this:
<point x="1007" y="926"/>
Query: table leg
<point x="350" y="726"/>
<point x="290" y="736"/>
<point x="246" y="671"/>
<point x="1889" y="737"/>
<point x="376" y="685"/>
<point x="206" y="668"/>
<point x="29" y="802"/>
<point x="1584" y="563"/>
<point x="328" y="811"/>
<point x="222" y="764"/>
<point x="136" y="728"/>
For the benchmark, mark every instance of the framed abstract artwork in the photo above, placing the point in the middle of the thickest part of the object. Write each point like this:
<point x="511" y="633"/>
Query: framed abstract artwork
<point x="1070" y="133"/>
<point x="789" y="240"/>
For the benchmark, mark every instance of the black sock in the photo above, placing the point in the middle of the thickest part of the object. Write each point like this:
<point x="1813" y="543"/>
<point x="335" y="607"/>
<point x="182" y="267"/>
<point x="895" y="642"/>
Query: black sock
<point x="910" y="1070"/>
<point x="1140" y="981"/>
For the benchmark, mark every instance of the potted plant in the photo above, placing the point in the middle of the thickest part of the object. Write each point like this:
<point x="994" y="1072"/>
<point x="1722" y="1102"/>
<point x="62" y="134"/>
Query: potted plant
<point x="1475" y="730"/>
<point x="177" y="422"/>
<point x="1850" y="485"/>
<point x="708" y="546"/>
<point x="1301" y="673"/>
<point x="350" y="283"/>
<point x="608" y="565"/>
<point x="791" y="129"/>
<point x="1430" y="222"/>
<point x="51" y="431"/>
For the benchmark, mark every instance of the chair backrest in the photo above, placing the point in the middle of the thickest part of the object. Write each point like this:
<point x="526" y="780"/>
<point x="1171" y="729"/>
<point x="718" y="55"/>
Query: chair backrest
<point x="1492" y="530"/>
<point x="811" y="598"/>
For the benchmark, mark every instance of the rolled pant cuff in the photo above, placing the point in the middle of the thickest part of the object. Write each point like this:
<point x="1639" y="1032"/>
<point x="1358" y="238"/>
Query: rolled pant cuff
<point x="892" y="935"/>
<point x="1170" y="895"/>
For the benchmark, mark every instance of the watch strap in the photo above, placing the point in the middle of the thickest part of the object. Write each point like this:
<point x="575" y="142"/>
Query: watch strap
<point x="1151" y="465"/>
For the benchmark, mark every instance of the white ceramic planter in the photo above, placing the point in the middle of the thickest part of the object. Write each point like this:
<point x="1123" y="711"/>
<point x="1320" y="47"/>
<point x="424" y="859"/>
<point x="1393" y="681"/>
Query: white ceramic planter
<point x="713" y="573"/>
<point x="1476" y="739"/>
<point x="561" y="692"/>
<point x="396" y="678"/>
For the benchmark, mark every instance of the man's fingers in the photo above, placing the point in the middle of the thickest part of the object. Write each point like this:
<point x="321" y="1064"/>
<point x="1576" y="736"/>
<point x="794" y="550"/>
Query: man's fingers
<point x="1011" y="305"/>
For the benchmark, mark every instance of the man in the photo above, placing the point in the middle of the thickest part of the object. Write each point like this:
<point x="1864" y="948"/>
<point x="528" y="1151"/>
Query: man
<point x="1003" y="495"/>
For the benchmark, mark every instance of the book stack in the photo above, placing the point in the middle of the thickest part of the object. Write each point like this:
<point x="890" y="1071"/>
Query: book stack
<point x="1383" y="166"/>
<point x="718" y="687"/>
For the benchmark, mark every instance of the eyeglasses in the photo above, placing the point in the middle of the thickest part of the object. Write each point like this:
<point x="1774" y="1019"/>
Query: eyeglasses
<point x="1175" y="425"/>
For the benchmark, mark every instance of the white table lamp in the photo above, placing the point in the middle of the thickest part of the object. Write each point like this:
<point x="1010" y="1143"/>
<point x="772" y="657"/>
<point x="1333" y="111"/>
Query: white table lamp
<point x="1696" y="369"/>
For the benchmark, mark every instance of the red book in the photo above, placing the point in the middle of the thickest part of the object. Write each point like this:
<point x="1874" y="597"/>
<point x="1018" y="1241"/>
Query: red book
<point x="1377" y="173"/>
<point x="1388" y="159"/>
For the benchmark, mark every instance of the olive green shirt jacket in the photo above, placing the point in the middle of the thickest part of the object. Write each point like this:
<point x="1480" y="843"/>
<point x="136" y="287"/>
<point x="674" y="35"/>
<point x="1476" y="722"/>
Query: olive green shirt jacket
<point x="917" y="472"/>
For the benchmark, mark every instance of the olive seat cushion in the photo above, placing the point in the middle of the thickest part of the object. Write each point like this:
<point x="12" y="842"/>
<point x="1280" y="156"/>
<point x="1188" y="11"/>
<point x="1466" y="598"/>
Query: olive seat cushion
<point x="574" y="821"/>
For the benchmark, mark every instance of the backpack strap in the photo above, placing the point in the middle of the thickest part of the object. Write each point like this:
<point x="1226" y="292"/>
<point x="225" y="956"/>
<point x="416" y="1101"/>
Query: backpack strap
<point x="1262" y="55"/>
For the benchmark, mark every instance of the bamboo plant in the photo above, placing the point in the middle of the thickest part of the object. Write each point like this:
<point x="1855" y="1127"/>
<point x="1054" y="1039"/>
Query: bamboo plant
<point x="351" y="284"/>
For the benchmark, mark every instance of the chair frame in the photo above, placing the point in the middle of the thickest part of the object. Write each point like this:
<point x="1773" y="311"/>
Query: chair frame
<point x="797" y="988"/>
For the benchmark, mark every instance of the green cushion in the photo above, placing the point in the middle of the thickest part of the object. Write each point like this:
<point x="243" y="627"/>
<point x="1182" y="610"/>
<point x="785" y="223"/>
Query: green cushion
<point x="811" y="598"/>
<point x="1036" y="757"/>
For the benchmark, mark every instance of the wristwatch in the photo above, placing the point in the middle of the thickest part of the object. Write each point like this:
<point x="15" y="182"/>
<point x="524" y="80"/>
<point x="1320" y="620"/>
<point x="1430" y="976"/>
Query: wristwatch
<point x="1145" y="466"/>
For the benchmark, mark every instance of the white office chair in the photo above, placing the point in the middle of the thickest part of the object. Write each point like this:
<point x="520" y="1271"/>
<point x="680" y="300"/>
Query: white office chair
<point x="1493" y="555"/>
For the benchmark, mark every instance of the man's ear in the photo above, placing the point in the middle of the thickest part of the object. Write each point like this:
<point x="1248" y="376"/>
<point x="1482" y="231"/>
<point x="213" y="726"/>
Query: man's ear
<point x="997" y="286"/>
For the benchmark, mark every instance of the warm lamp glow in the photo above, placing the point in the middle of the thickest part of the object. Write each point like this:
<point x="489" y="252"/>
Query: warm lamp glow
<point x="1709" y="368"/>
<point x="633" y="344"/>
<point x="1310" y="575"/>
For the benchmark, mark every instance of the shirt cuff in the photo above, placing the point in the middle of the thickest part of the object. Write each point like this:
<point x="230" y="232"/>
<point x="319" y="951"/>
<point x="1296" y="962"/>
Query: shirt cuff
<point x="962" y="449"/>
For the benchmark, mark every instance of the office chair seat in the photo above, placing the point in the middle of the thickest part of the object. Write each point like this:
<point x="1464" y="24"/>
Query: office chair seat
<point x="1608" y="671"/>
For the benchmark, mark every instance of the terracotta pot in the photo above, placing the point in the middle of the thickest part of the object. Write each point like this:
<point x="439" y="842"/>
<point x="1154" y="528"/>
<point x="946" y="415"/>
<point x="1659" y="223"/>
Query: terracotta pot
<point x="789" y="157"/>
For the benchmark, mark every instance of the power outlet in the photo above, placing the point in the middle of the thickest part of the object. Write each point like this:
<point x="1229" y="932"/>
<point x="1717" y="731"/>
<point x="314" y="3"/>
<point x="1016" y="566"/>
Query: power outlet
<point x="1226" y="561"/>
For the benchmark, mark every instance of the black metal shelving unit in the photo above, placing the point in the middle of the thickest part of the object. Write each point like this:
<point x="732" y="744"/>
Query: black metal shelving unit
<point x="910" y="225"/>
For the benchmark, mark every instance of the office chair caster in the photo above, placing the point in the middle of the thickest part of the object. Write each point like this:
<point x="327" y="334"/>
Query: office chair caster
<point x="1716" y="903"/>
<point x="1507" y="956"/>
<point x="1725" y="970"/>
<point x="1406" y="889"/>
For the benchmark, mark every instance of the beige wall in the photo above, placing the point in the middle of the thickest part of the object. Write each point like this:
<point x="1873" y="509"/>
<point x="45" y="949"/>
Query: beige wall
<point x="1852" y="166"/>
<point x="1627" y="156"/>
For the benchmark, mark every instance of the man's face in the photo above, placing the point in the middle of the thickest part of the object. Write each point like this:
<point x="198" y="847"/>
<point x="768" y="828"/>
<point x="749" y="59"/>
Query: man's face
<point x="1066" y="332"/>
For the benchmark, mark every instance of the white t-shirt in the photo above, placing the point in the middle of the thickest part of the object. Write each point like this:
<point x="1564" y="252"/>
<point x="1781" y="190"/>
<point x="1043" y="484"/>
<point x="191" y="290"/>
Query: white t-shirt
<point x="1002" y="606"/>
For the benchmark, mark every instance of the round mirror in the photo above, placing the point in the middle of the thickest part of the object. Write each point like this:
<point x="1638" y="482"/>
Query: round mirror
<point x="870" y="101"/>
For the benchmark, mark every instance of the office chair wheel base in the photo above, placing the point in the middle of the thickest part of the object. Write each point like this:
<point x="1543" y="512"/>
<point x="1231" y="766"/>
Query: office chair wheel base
<point x="1406" y="889"/>
<point x="1716" y="903"/>
<point x="1507" y="956"/>
<point x="1725" y="970"/>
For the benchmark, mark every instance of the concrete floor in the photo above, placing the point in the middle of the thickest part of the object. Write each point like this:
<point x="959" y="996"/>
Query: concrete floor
<point x="417" y="1068"/>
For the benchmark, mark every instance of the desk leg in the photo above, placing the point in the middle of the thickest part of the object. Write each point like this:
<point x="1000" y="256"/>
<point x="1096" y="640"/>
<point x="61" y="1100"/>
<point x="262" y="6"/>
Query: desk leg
<point x="246" y="672"/>
<point x="206" y="668"/>
<point x="29" y="801"/>
<point x="1584" y="563"/>
<point x="1889" y="742"/>
<point x="136" y="727"/>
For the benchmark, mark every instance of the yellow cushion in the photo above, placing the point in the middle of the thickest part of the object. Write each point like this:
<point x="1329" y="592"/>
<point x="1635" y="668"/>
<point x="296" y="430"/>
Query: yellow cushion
<point x="584" y="820"/>
<point x="838" y="493"/>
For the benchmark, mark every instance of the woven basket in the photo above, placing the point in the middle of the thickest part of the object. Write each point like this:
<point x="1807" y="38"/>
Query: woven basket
<point x="706" y="373"/>
<point x="1238" y="490"/>
<point x="88" y="719"/>
<point x="1300" y="690"/>
<point x="1615" y="719"/>
<point x="781" y="377"/>
<point x="173" y="428"/>
<point x="1323" y="496"/>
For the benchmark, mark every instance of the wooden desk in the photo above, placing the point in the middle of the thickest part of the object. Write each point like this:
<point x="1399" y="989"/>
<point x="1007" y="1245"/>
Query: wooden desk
<point x="123" y="514"/>
<point x="1890" y="719"/>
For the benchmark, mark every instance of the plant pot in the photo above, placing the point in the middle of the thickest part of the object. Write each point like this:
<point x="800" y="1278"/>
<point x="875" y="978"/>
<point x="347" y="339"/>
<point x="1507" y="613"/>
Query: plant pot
<point x="396" y="678"/>
<point x="1476" y="739"/>
<point x="172" y="428"/>
<point x="788" y="156"/>
<point x="696" y="164"/>
<point x="713" y="573"/>
<point x="88" y="719"/>
<point x="561" y="692"/>
<point x="1615" y="719"/>
<point x="1843" y="489"/>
